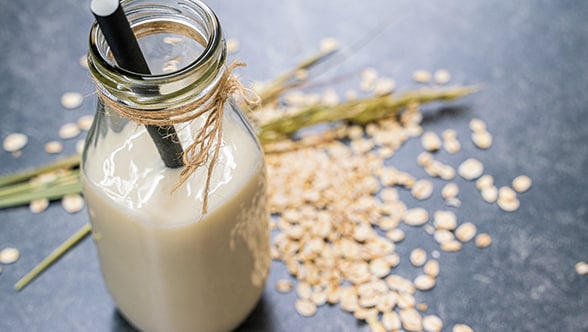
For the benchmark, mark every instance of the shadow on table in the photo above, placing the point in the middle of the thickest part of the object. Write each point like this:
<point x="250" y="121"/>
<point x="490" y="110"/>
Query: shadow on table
<point x="259" y="320"/>
<point x="444" y="112"/>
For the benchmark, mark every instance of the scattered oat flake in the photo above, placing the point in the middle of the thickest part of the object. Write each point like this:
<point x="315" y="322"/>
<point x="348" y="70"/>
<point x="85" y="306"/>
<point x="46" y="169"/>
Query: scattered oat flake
<point x="422" y="189"/>
<point x="477" y="125"/>
<point x="432" y="323"/>
<point x="304" y="290"/>
<point x="39" y="205"/>
<point x="429" y="229"/>
<point x="327" y="45"/>
<point x="422" y="307"/>
<point x="384" y="86"/>
<point x="489" y="194"/>
<point x="465" y="232"/>
<point x="449" y="134"/>
<point x="84" y="61"/>
<point x="368" y="79"/>
<point x="421" y="76"/>
<point x="442" y="76"/>
<point x="391" y="321"/>
<point x="507" y="193"/>
<point x="450" y="190"/>
<point x="396" y="235"/>
<point x="72" y="203"/>
<point x="284" y="286"/>
<point x="470" y="169"/>
<point x="444" y="219"/>
<point x="454" y="202"/>
<point x="424" y="282"/>
<point x="9" y="255"/>
<point x="424" y="159"/>
<point x="521" y="183"/>
<point x="581" y="268"/>
<point x="85" y="122"/>
<point x="15" y="142"/>
<point x="72" y="100"/>
<point x="416" y="217"/>
<point x="389" y="195"/>
<point x="319" y="298"/>
<point x="483" y="240"/>
<point x="232" y="45"/>
<point x="411" y="319"/>
<point x="507" y="199"/>
<point x="330" y="98"/>
<point x="69" y="130"/>
<point x="305" y="307"/>
<point x="430" y="141"/>
<point x="418" y="257"/>
<point x="452" y="146"/>
<point x="485" y="181"/>
<point x="482" y="139"/>
<point x="431" y="268"/>
<point x="461" y="328"/>
<point x="443" y="235"/>
<point x="53" y="147"/>
<point x="508" y="205"/>
<point x="369" y="74"/>
<point x="451" y="246"/>
<point x="379" y="267"/>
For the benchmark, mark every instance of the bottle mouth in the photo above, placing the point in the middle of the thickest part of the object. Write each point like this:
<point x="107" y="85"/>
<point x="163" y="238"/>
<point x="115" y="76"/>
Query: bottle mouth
<point x="182" y="42"/>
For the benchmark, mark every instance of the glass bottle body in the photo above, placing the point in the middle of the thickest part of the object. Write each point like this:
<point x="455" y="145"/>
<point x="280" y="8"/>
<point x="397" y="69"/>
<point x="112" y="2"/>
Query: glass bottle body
<point x="168" y="265"/>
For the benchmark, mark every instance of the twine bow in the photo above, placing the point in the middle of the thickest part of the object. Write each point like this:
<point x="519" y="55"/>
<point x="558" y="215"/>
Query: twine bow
<point x="208" y="140"/>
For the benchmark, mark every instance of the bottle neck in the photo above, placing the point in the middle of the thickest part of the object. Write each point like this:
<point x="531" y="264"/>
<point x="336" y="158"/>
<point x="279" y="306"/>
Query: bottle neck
<point x="183" y="46"/>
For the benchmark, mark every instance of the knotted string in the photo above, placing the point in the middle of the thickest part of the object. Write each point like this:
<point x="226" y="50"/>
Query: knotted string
<point x="208" y="140"/>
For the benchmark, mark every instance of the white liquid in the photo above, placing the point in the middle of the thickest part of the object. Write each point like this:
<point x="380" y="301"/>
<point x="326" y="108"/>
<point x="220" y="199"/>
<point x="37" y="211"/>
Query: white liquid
<point x="167" y="267"/>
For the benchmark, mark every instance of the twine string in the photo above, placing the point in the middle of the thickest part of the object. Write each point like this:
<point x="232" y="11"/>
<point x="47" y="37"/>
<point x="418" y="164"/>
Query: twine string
<point x="207" y="141"/>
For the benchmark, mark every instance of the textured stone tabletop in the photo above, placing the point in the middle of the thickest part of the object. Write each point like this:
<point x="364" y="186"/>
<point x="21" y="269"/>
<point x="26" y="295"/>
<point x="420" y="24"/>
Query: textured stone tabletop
<point x="530" y="60"/>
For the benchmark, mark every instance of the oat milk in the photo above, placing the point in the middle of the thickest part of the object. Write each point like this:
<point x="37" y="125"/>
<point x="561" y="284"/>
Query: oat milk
<point x="167" y="267"/>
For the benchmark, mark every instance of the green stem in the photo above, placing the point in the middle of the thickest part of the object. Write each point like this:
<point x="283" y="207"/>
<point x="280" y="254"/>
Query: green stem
<point x="286" y="80"/>
<point x="63" y="248"/>
<point x="29" y="186"/>
<point x="69" y="162"/>
<point x="51" y="193"/>
<point x="359" y="111"/>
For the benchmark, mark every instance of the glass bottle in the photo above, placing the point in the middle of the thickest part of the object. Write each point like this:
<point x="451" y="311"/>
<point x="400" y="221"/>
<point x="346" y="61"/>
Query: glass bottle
<point x="167" y="265"/>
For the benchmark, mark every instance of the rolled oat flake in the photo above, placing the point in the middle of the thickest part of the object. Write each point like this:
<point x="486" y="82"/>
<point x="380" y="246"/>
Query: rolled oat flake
<point x="581" y="268"/>
<point x="53" y="147"/>
<point x="71" y="100"/>
<point x="15" y="142"/>
<point x="9" y="255"/>
<point x="432" y="323"/>
<point x="470" y="169"/>
<point x="69" y="130"/>
<point x="72" y="203"/>
<point x="462" y="328"/>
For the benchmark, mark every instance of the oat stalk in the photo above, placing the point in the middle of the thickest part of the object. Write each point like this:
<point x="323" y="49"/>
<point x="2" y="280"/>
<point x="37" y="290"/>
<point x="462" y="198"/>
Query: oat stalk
<point x="25" y="192"/>
<point x="361" y="111"/>
<point x="54" y="256"/>
<point x="289" y="80"/>
<point x="65" y="163"/>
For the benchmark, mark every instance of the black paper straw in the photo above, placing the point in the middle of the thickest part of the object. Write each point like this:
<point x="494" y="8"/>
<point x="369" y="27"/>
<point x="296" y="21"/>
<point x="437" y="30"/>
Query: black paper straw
<point x="126" y="51"/>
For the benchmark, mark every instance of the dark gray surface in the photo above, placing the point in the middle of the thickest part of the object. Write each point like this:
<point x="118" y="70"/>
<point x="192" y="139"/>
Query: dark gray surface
<point x="530" y="57"/>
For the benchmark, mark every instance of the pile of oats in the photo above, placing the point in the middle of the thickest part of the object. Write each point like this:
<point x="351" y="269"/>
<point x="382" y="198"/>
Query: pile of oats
<point x="337" y="214"/>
